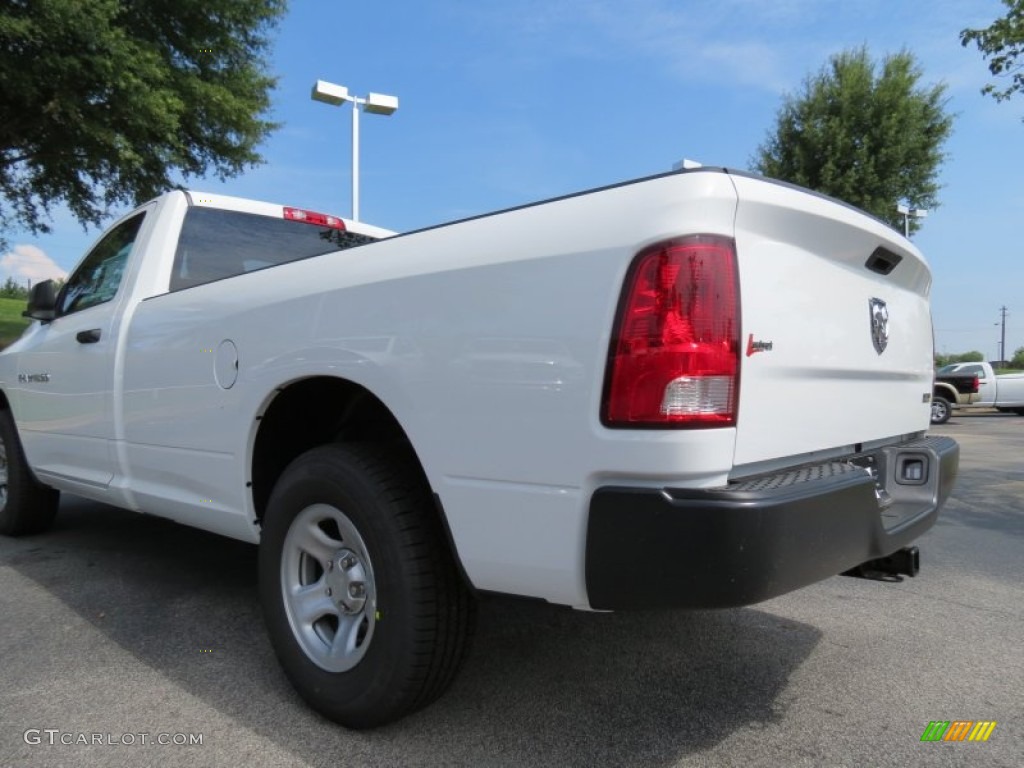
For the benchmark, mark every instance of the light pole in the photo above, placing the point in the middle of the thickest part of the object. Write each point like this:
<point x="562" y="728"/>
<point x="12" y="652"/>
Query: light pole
<point x="908" y="214"/>
<point x="1002" y="337"/>
<point x="374" y="103"/>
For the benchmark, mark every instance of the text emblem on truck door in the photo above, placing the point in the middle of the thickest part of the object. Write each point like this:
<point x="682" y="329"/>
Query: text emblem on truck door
<point x="879" y="324"/>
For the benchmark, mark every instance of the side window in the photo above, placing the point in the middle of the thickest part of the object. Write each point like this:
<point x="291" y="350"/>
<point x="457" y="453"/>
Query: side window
<point x="99" y="275"/>
<point x="975" y="369"/>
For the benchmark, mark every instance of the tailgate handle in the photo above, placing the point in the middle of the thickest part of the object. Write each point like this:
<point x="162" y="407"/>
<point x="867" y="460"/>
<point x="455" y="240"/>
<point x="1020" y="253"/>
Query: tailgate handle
<point x="88" y="337"/>
<point x="882" y="261"/>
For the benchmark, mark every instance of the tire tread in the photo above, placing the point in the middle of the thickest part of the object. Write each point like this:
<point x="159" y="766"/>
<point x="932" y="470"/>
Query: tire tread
<point x="31" y="506"/>
<point x="443" y="608"/>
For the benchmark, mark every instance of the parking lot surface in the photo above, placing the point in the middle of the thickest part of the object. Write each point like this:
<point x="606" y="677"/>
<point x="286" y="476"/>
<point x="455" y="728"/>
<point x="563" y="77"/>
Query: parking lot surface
<point x="123" y="626"/>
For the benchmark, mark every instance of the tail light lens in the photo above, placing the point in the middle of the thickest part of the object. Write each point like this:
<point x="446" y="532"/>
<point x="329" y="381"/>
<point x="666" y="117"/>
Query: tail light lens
<point x="674" y="357"/>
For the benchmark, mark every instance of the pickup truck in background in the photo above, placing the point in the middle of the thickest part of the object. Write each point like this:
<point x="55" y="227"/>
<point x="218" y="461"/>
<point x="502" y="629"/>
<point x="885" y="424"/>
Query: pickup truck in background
<point x="951" y="389"/>
<point x="1002" y="391"/>
<point x="587" y="401"/>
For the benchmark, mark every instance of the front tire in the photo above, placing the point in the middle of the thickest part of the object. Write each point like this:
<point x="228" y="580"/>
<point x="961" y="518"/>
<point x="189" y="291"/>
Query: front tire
<point x="941" y="410"/>
<point x="26" y="505"/>
<point x="364" y="605"/>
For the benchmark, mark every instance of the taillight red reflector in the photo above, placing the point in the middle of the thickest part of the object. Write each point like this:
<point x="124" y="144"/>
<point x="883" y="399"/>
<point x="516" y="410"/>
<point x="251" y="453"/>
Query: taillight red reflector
<point x="675" y="351"/>
<point x="312" y="217"/>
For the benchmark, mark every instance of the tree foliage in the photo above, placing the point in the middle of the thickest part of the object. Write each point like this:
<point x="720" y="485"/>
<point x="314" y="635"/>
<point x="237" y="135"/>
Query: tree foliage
<point x="1002" y="43"/>
<point x="963" y="357"/>
<point x="1017" y="361"/>
<point x="102" y="102"/>
<point x="867" y="136"/>
<point x="11" y="289"/>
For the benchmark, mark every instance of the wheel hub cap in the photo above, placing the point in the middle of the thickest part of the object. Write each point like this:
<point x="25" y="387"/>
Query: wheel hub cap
<point x="346" y="581"/>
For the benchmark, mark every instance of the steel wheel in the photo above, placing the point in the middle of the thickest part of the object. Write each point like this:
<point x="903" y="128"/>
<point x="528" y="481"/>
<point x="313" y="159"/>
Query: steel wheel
<point x="364" y="605"/>
<point x="328" y="587"/>
<point x="941" y="410"/>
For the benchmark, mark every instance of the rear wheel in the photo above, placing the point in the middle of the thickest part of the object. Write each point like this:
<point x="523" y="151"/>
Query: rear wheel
<point x="365" y="607"/>
<point x="941" y="410"/>
<point x="26" y="505"/>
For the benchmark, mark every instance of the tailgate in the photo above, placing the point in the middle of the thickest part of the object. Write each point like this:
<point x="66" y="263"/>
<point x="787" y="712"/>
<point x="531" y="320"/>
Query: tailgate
<point x="837" y="336"/>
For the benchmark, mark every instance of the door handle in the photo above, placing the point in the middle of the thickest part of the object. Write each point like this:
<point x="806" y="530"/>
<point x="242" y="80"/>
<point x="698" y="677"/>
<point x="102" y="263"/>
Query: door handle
<point x="88" y="337"/>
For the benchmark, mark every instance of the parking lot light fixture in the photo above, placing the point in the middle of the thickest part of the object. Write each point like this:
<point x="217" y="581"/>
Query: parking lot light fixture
<point x="374" y="103"/>
<point x="908" y="214"/>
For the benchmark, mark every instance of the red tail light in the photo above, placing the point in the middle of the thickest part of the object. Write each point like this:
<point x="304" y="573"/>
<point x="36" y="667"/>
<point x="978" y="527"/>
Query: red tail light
<point x="674" y="358"/>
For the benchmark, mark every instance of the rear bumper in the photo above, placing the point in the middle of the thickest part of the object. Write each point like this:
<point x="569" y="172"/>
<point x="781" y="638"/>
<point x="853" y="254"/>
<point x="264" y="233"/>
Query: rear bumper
<point x="753" y="540"/>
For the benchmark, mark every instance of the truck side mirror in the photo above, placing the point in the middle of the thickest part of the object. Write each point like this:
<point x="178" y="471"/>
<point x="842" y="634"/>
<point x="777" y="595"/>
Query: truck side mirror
<point x="42" y="302"/>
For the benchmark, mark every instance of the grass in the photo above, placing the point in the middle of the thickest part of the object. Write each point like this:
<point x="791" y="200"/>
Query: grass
<point x="11" y="321"/>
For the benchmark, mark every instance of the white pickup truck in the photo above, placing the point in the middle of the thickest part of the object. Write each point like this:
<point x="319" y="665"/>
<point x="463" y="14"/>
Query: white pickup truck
<point x="701" y="389"/>
<point x="1005" y="392"/>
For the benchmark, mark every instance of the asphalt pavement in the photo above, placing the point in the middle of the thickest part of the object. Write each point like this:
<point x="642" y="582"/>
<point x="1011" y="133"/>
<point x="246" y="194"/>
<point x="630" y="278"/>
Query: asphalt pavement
<point x="118" y="628"/>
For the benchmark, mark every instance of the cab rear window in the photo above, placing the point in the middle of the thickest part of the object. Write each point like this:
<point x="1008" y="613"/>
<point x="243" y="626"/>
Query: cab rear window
<point x="215" y="244"/>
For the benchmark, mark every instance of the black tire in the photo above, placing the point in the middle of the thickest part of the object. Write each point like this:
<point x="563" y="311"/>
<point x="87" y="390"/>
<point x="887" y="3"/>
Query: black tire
<point x="407" y="646"/>
<point x="941" y="410"/>
<point x="1019" y="411"/>
<point x="26" y="505"/>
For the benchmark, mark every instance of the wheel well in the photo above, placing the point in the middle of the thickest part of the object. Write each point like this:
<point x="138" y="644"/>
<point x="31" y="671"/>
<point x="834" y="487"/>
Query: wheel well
<point x="945" y="391"/>
<point x="313" y="412"/>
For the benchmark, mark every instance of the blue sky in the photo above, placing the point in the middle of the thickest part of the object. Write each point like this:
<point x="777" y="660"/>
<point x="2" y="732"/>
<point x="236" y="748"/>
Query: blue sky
<point x="503" y="103"/>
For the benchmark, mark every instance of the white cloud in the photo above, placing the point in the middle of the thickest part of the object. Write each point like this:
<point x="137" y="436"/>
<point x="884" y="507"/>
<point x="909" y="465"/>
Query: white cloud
<point x="27" y="262"/>
<point x="768" y="46"/>
<point x="692" y="42"/>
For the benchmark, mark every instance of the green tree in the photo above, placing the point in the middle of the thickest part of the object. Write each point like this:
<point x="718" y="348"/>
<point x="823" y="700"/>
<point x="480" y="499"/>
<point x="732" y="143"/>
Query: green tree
<point x="12" y="290"/>
<point x="868" y="137"/>
<point x="1002" y="43"/>
<point x="102" y="102"/>
<point x="974" y="356"/>
<point x="1017" y="361"/>
<point x="962" y="357"/>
